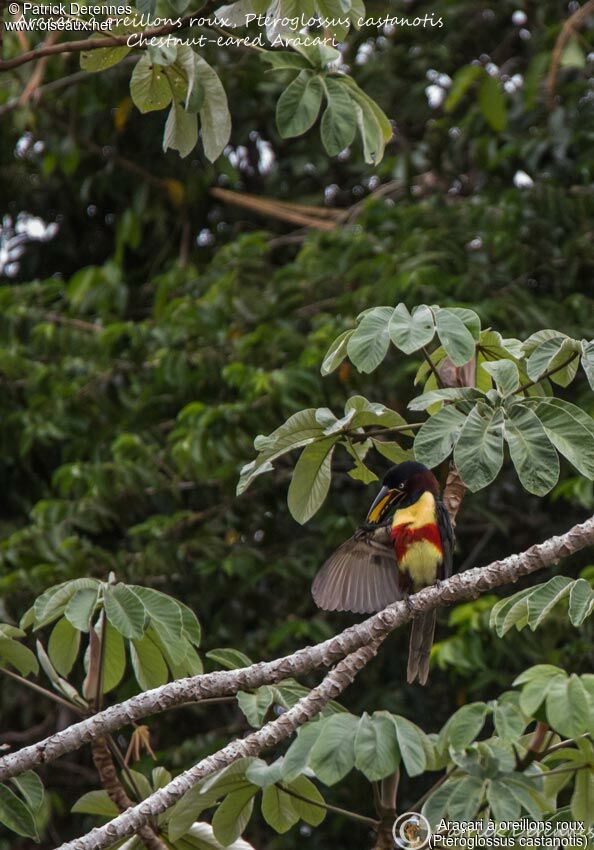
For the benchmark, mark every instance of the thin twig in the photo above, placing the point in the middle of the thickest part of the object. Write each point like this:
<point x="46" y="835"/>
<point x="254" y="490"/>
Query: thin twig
<point x="41" y="690"/>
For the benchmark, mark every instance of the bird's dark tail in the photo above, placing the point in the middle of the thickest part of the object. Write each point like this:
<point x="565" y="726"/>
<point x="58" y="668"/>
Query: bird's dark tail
<point x="419" y="648"/>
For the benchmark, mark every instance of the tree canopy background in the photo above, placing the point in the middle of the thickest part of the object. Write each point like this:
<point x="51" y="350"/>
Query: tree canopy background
<point x="155" y="328"/>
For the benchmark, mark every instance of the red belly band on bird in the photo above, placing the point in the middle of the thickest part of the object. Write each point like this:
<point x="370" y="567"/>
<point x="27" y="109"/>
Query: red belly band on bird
<point x="404" y="536"/>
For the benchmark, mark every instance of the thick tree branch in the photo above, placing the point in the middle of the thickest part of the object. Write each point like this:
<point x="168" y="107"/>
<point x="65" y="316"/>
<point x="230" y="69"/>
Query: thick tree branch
<point x="467" y="585"/>
<point x="273" y="733"/>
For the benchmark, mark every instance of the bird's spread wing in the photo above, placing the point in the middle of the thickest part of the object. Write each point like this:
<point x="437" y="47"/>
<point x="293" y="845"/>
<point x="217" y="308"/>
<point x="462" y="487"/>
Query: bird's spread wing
<point x="447" y="540"/>
<point x="360" y="576"/>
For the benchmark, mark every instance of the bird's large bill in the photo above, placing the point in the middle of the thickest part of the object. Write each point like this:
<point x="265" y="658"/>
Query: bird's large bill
<point x="360" y="576"/>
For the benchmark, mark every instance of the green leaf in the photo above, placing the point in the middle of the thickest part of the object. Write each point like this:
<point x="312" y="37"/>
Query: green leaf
<point x="393" y="451"/>
<point x="191" y="627"/>
<point x="255" y="705"/>
<point x="313" y="811"/>
<point x="509" y="721"/>
<point x="181" y="130"/>
<point x="544" y="597"/>
<point x="339" y="123"/>
<point x="230" y="659"/>
<point x="375" y="128"/>
<point x="333" y="754"/>
<point x="573" y="55"/>
<point x="582" y="801"/>
<point x="148" y="663"/>
<point x="282" y="60"/>
<point x="262" y="774"/>
<point x="104" y="57"/>
<point x="299" y="430"/>
<point x="299" y="105"/>
<point x="373" y="413"/>
<point x="124" y="610"/>
<point x="570" y="430"/>
<point x="95" y="803"/>
<point x="569" y="706"/>
<point x="81" y="607"/>
<point x="162" y="609"/>
<point x="465" y="798"/>
<point x="278" y="810"/>
<point x="470" y="319"/>
<point x="232" y="816"/>
<point x="114" y="659"/>
<point x="532" y="454"/>
<point x="311" y="479"/>
<point x="215" y="118"/>
<point x="587" y="361"/>
<point x="478" y="454"/>
<point x="376" y="746"/>
<point x="63" y="646"/>
<point x="370" y="341"/>
<point x="412" y="745"/>
<point x="505" y="373"/>
<point x="297" y="756"/>
<point x="581" y="602"/>
<point x="149" y="87"/>
<point x="503" y="614"/>
<point x="454" y="336"/>
<point x="436" y="438"/>
<point x="18" y="656"/>
<point x="51" y="604"/>
<point x="463" y="80"/>
<point x="449" y="394"/>
<point x="411" y="332"/>
<point x="31" y="787"/>
<point x="436" y="806"/>
<point x="336" y="353"/>
<point x="551" y="353"/>
<point x="463" y="727"/>
<point x="492" y="104"/>
<point x="503" y="801"/>
<point x="15" y="815"/>
<point x="59" y="683"/>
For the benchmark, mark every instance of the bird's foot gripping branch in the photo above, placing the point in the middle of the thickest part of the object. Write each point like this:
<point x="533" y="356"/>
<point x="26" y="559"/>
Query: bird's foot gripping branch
<point x="525" y="752"/>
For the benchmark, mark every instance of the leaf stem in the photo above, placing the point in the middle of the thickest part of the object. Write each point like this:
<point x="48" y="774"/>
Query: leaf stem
<point x="329" y="808"/>
<point x="548" y="373"/>
<point x="432" y="366"/>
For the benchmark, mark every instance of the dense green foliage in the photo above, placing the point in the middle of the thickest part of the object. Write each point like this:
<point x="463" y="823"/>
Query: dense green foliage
<point x="138" y="365"/>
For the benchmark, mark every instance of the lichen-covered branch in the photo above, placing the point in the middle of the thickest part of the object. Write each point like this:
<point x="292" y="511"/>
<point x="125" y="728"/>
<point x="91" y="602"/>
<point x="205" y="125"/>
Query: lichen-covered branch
<point x="467" y="585"/>
<point x="273" y="733"/>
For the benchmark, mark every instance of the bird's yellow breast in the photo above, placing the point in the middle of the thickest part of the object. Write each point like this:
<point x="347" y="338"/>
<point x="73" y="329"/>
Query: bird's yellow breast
<point x="417" y="541"/>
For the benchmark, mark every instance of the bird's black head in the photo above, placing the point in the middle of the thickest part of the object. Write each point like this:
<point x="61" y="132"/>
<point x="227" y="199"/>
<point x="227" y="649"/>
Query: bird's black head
<point x="402" y="485"/>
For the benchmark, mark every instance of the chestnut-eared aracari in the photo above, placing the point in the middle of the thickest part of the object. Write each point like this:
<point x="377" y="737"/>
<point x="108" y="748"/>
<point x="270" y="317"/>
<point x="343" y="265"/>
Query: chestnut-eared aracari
<point x="405" y="544"/>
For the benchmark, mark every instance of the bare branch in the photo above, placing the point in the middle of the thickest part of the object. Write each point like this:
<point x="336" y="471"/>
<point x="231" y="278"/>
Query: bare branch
<point x="467" y="585"/>
<point x="273" y="733"/>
